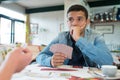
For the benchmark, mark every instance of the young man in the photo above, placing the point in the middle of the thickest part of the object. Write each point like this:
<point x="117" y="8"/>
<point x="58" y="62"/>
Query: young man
<point x="89" y="48"/>
<point x="14" y="62"/>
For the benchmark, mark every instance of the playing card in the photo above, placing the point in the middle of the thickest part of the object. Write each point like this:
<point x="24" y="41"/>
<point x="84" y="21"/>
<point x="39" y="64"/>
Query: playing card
<point x="62" y="48"/>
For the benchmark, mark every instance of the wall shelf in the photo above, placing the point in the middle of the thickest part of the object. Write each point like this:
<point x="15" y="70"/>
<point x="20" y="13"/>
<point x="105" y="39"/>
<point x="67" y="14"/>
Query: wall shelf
<point x="98" y="22"/>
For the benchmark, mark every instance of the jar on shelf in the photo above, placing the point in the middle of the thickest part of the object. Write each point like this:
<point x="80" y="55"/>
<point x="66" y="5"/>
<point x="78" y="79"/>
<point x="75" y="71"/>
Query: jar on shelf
<point x="97" y="18"/>
<point x="101" y="17"/>
<point x="106" y="16"/>
<point x="110" y="16"/>
<point x="91" y="17"/>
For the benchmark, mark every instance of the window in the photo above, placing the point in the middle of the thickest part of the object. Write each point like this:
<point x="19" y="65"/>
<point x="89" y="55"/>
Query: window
<point x="12" y="29"/>
<point x="20" y="32"/>
<point x="5" y="31"/>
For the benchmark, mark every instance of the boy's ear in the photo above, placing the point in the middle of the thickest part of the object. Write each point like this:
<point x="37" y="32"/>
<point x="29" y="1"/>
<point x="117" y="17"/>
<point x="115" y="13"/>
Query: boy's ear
<point x="88" y="21"/>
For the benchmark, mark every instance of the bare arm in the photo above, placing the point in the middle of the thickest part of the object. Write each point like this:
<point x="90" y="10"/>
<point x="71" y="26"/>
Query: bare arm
<point x="15" y="61"/>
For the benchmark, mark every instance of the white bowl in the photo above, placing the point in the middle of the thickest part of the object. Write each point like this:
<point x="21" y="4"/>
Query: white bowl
<point x="109" y="70"/>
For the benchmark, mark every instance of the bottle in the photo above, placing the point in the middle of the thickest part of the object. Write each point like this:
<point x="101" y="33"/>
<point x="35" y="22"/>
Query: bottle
<point x="101" y="17"/>
<point x="106" y="16"/>
<point x="110" y="16"/>
<point x="115" y="13"/>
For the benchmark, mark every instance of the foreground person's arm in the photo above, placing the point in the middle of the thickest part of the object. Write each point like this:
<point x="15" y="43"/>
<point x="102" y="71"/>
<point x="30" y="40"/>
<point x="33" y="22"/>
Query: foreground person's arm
<point x="14" y="62"/>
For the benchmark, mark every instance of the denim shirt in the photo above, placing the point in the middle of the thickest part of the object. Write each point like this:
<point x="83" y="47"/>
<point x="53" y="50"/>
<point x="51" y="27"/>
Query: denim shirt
<point x="92" y="46"/>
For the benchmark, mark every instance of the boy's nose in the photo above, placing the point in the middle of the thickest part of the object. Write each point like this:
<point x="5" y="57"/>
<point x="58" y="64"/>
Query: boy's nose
<point x="75" y="22"/>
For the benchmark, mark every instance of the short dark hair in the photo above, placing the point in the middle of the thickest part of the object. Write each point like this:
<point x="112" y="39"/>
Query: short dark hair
<point x="78" y="8"/>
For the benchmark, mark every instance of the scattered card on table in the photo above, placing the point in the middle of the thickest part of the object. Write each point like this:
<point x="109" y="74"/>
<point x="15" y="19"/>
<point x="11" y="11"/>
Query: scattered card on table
<point x="62" y="48"/>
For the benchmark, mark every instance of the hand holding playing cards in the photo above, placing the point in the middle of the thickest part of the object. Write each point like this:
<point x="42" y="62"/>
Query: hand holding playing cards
<point x="57" y="59"/>
<point x="63" y="49"/>
<point x="60" y="53"/>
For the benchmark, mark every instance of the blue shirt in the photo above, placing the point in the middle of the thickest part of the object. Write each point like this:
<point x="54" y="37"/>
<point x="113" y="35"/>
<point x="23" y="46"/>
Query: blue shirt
<point x="91" y="48"/>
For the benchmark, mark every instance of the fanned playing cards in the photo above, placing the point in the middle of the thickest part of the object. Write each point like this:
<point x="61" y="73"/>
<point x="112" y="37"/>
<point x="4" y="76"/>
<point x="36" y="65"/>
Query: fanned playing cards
<point x="62" y="48"/>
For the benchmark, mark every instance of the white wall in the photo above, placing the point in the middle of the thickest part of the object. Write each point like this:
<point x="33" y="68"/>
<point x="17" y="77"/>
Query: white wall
<point x="13" y="11"/>
<point x="51" y="22"/>
<point x="115" y="36"/>
<point x="103" y="9"/>
<point x="13" y="7"/>
<point x="113" y="39"/>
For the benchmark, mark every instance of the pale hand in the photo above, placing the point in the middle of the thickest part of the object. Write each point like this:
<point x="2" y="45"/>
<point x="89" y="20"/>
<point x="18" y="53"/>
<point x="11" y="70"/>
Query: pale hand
<point x="20" y="57"/>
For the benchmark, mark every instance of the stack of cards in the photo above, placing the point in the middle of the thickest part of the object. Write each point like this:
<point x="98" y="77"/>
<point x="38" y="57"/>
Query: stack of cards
<point x="62" y="48"/>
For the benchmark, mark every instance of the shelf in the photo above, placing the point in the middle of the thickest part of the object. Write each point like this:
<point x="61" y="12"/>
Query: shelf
<point x="96" y="22"/>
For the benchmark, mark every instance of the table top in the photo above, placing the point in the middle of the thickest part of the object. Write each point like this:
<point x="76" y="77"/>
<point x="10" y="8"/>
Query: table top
<point x="37" y="72"/>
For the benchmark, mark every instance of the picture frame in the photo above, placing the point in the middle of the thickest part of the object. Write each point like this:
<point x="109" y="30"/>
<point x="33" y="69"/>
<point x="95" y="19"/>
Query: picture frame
<point x="62" y="27"/>
<point x="105" y="29"/>
<point x="34" y="28"/>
